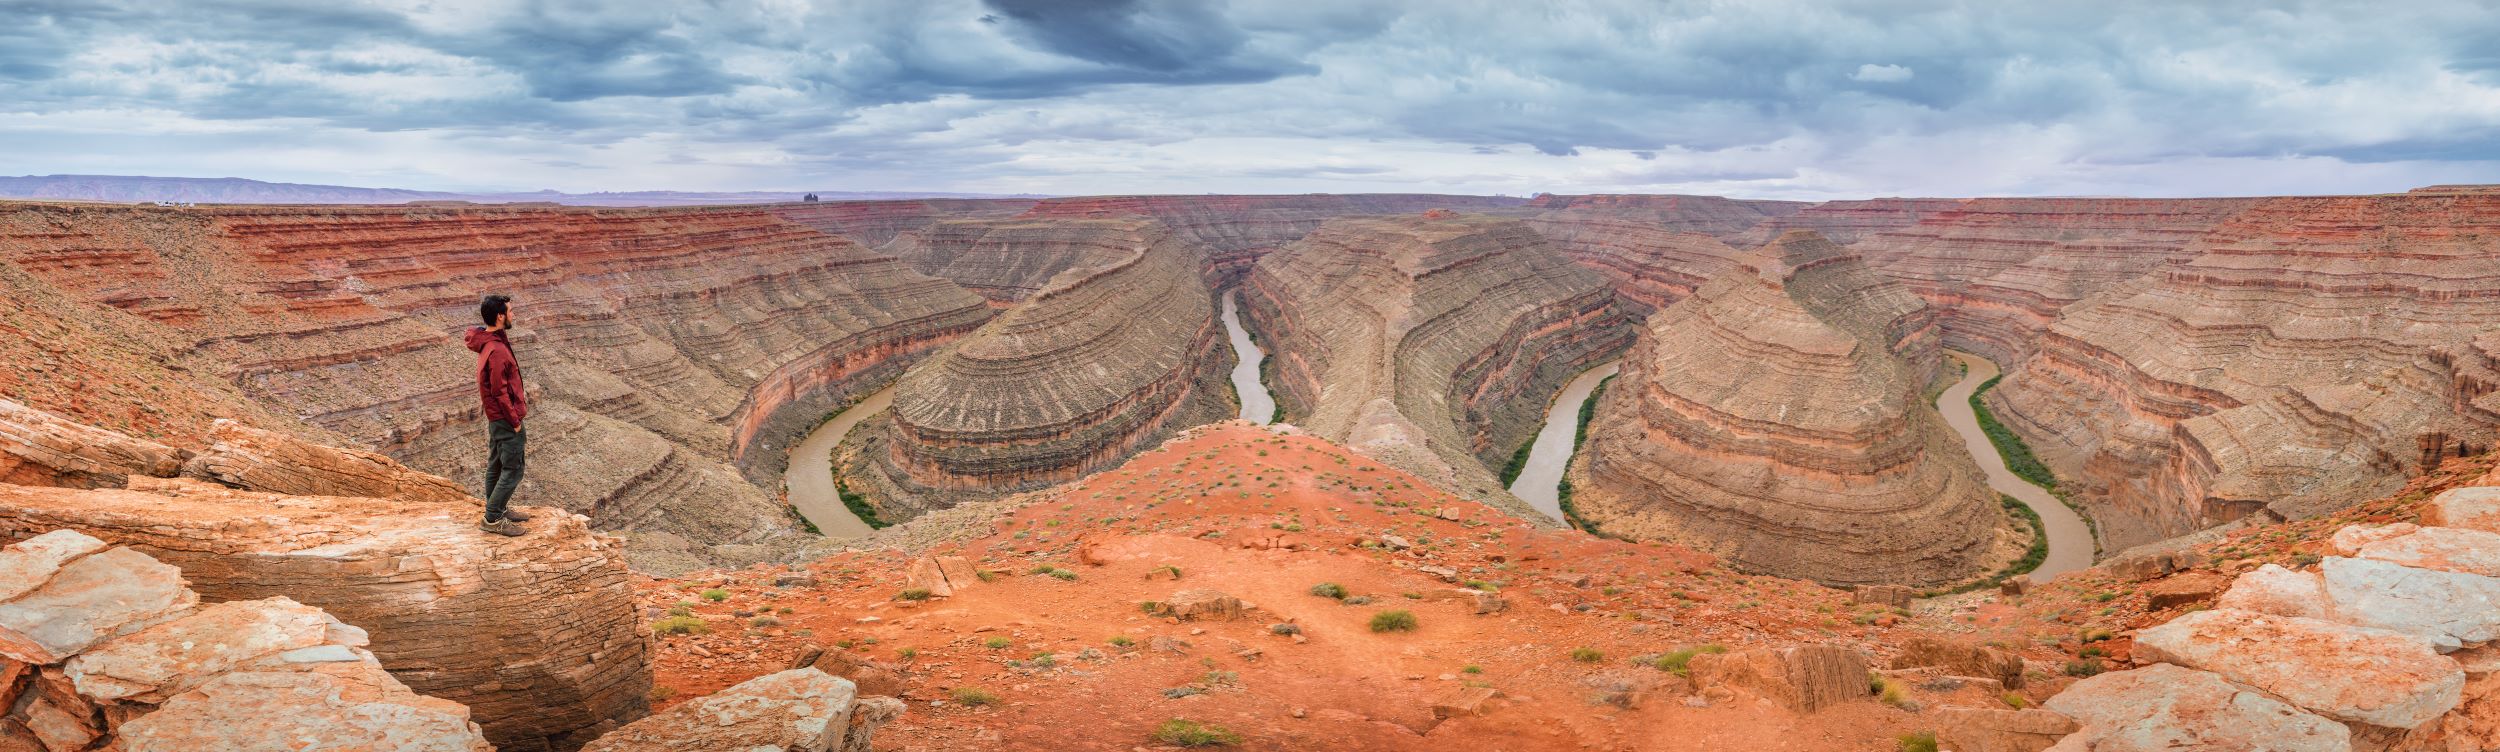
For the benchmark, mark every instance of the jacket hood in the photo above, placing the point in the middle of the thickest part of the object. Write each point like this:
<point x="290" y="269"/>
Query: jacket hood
<point x="478" y="337"/>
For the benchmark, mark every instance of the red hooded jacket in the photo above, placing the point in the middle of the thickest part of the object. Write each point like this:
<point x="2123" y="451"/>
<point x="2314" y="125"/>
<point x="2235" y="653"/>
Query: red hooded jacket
<point x="498" y="377"/>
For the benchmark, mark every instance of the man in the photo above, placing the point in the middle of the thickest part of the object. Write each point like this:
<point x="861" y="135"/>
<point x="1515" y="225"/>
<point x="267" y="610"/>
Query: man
<point x="499" y="386"/>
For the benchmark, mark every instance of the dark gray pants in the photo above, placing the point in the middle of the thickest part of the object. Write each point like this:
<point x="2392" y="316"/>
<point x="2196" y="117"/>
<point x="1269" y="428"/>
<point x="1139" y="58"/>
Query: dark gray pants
<point x="503" y="466"/>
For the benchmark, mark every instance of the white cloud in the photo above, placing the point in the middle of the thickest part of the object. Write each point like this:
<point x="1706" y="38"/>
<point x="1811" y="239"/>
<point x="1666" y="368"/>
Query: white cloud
<point x="1885" y="74"/>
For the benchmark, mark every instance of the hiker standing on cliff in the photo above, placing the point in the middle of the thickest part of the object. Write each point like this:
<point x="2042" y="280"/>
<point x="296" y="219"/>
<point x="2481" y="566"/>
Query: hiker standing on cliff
<point x="499" y="386"/>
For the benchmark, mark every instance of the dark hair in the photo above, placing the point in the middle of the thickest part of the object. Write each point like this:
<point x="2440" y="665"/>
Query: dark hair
<point x="492" y="307"/>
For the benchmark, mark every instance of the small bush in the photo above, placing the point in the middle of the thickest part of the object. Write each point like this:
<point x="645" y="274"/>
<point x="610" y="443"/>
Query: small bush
<point x="2095" y="634"/>
<point x="661" y="694"/>
<point x="914" y="594"/>
<point x="1393" y="621"/>
<point x="2016" y="701"/>
<point x="1042" y="569"/>
<point x="764" y="622"/>
<point x="715" y="595"/>
<point x="1121" y="641"/>
<point x="973" y="697"/>
<point x="1185" y="733"/>
<point x="1677" y="662"/>
<point x="677" y="625"/>
<point x="1924" y="741"/>
<point x="1062" y="574"/>
<point x="681" y="609"/>
<point x="1888" y="692"/>
<point x="1284" y="629"/>
<point x="1329" y="590"/>
<point x="2083" y="668"/>
<point x="998" y="643"/>
<point x="1357" y="600"/>
<point x="907" y="653"/>
<point x="1587" y="655"/>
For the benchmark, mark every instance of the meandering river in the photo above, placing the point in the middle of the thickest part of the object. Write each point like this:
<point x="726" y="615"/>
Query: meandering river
<point x="1540" y="480"/>
<point x="810" y="475"/>
<point x="1257" y="406"/>
<point x="2070" y="541"/>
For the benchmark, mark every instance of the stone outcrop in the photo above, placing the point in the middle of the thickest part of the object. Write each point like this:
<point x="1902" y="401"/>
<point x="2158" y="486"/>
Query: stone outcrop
<point x="1992" y="730"/>
<point x="875" y="223"/>
<point x="1805" y="678"/>
<point x="1109" y="360"/>
<point x="105" y="648"/>
<point x="250" y="458"/>
<point x="2000" y="270"/>
<point x="799" y="710"/>
<point x="1650" y="265"/>
<point x="2401" y="654"/>
<point x="2307" y="353"/>
<point x="1846" y="222"/>
<point x="1432" y="344"/>
<point x="1009" y="261"/>
<point x="1778" y="418"/>
<point x="537" y="635"/>
<point x="675" y="352"/>
<point x="1961" y="658"/>
<point x="38" y="448"/>
<point x="1233" y="232"/>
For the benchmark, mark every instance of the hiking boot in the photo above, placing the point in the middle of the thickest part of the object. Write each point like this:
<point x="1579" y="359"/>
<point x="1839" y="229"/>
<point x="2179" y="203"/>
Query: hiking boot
<point x="502" y="527"/>
<point x="514" y="514"/>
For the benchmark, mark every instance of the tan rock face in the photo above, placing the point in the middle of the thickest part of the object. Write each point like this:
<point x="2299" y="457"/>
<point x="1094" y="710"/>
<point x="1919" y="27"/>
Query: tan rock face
<point x="38" y="448"/>
<point x="1803" y="679"/>
<point x="2472" y="507"/>
<point x="1775" y="419"/>
<point x="1235" y="231"/>
<point x="238" y="675"/>
<point x="1010" y="260"/>
<point x="1991" y="730"/>
<point x="2162" y="708"/>
<point x="250" y="458"/>
<point x="1111" y="359"/>
<point x="1431" y="344"/>
<point x="2290" y="362"/>
<point x="2358" y="674"/>
<point x="2271" y="589"/>
<point x="1961" y="658"/>
<point x="88" y="600"/>
<point x="2448" y="609"/>
<point x="800" y="710"/>
<point x="537" y="635"/>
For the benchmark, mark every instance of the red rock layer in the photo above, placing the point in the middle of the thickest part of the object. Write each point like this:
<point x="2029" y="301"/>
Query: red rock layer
<point x="1716" y="216"/>
<point x="875" y="223"/>
<point x="1651" y="265"/>
<point x="2313" y="351"/>
<point x="662" y="345"/>
<point x="1776" y="418"/>
<point x="1234" y="231"/>
<point x="1112" y="358"/>
<point x="2002" y="269"/>
<point x="1430" y="343"/>
<point x="1846" y="222"/>
<point x="1009" y="260"/>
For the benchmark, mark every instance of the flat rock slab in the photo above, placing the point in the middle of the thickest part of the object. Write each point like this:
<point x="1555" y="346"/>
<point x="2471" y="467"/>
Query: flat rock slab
<point x="799" y="710"/>
<point x="28" y="564"/>
<point x="2271" y="589"/>
<point x="1998" y="730"/>
<point x="2473" y="507"/>
<point x="2164" y="708"/>
<point x="90" y="600"/>
<point x="2447" y="549"/>
<point x="150" y="664"/>
<point x="2374" y="676"/>
<point x="340" y="706"/>
<point x="2450" y="609"/>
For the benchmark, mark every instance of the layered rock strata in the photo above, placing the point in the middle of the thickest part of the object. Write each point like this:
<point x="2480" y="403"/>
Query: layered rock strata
<point x="799" y="710"/>
<point x="1650" y="265"/>
<point x="2310" y="352"/>
<point x="875" y="223"/>
<point x="537" y="635"/>
<point x="668" y="350"/>
<point x="1432" y="344"/>
<point x="1008" y="261"/>
<point x="1845" y="222"/>
<point x="1777" y="418"/>
<point x="2387" y="646"/>
<point x="1108" y="360"/>
<point x="2001" y="270"/>
<point x="102" y="647"/>
<point x="1234" y="231"/>
<point x="1716" y="216"/>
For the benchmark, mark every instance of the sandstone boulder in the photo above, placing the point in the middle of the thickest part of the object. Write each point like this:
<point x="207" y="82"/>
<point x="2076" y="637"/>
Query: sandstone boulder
<point x="2447" y="549"/>
<point x="85" y="601"/>
<point x="258" y="460"/>
<point x="338" y="706"/>
<point x="38" y="448"/>
<point x="2271" y="589"/>
<point x="2449" y="609"/>
<point x="1189" y="605"/>
<point x="1990" y="730"/>
<point x="1804" y="678"/>
<point x="1895" y="596"/>
<point x="2472" y="507"/>
<point x="924" y="574"/>
<point x="2148" y="565"/>
<point x="537" y="635"/>
<point x="151" y="664"/>
<point x="870" y="676"/>
<point x="1961" y="658"/>
<point x="1461" y="701"/>
<point x="2358" y="674"/>
<point x="799" y="710"/>
<point x="2186" y="588"/>
<point x="2165" y="708"/>
<point x="2349" y="539"/>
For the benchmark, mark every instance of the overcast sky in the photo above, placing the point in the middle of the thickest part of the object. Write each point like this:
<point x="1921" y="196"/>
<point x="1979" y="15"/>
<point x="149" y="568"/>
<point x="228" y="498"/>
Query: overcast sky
<point x="1762" y="99"/>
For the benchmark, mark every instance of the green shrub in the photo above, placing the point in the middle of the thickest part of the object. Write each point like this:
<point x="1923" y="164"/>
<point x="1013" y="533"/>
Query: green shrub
<point x="973" y="697"/>
<point x="2083" y="668"/>
<point x="1329" y="590"/>
<point x="1062" y="574"/>
<point x="676" y="625"/>
<point x="1120" y="641"/>
<point x="997" y="643"/>
<point x="1471" y="669"/>
<point x="1924" y="741"/>
<point x="914" y="594"/>
<point x="715" y="595"/>
<point x="907" y="653"/>
<point x="1393" y="621"/>
<point x="1676" y="662"/>
<point x="1185" y="733"/>
<point x="2018" y="457"/>
<point x="1587" y="655"/>
<point x="2016" y="700"/>
<point x="764" y="622"/>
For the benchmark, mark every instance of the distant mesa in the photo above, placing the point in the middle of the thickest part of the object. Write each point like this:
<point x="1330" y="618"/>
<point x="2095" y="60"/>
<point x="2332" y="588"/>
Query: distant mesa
<point x="1776" y="418"/>
<point x="1430" y="344"/>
